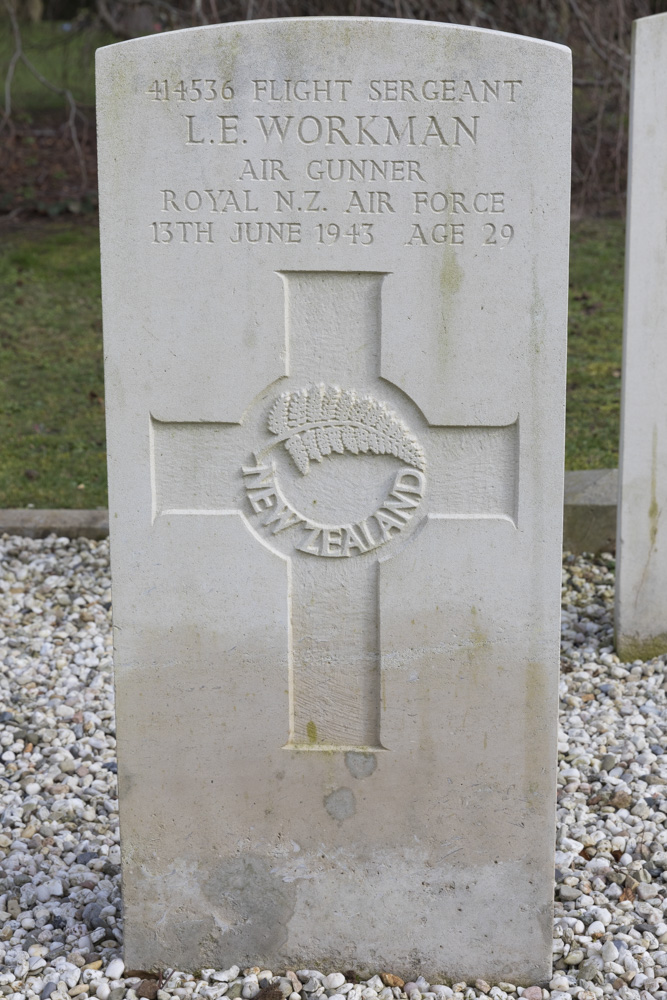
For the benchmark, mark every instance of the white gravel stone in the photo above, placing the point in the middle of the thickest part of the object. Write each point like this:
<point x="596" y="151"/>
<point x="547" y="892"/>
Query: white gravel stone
<point x="334" y="980"/>
<point x="226" y="975"/>
<point x="609" y="951"/>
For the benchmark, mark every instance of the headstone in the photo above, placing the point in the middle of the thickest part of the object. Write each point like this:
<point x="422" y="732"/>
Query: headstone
<point x="641" y="548"/>
<point x="335" y="276"/>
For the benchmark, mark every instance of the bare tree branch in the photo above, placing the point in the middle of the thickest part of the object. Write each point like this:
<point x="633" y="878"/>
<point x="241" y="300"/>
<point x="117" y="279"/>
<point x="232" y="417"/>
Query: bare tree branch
<point x="599" y="34"/>
<point x="74" y="112"/>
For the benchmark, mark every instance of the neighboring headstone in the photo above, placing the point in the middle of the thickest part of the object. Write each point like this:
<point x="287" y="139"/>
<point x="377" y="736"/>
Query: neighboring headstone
<point x="335" y="274"/>
<point x="641" y="548"/>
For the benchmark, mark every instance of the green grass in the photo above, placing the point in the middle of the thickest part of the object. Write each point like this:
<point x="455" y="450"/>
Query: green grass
<point x="594" y="344"/>
<point x="52" y="441"/>
<point x="52" y="449"/>
<point x="65" y="58"/>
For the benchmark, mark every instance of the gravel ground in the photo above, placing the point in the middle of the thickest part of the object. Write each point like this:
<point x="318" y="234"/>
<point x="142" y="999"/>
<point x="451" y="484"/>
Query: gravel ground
<point x="60" y="909"/>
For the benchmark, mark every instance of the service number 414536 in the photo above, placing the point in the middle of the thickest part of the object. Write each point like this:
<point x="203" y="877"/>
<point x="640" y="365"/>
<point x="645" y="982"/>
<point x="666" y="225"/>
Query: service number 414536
<point x="191" y="90"/>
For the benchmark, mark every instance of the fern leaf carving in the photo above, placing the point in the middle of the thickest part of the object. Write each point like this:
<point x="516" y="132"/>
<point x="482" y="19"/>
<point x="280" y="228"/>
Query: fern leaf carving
<point x="322" y="419"/>
<point x="278" y="414"/>
<point x="297" y="450"/>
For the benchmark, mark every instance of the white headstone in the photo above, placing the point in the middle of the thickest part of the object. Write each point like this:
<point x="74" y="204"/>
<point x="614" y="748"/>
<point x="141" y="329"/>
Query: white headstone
<point x="335" y="276"/>
<point x="641" y="550"/>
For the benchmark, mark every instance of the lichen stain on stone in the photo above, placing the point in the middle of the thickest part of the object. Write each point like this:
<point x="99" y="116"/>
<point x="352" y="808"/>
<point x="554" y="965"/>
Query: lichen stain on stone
<point x="474" y="647"/>
<point x="536" y="336"/>
<point x="451" y="277"/>
<point x="229" y="46"/>
<point x="340" y="804"/>
<point x="536" y="696"/>
<point x="635" y="648"/>
<point x="478" y="640"/>
<point x="311" y="732"/>
<point x="654" y="510"/>
<point x="624" y="646"/>
<point x="451" y="274"/>
<point x="360" y="765"/>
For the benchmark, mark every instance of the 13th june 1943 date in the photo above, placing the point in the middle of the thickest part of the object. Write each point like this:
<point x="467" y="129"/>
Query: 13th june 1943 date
<point x="322" y="234"/>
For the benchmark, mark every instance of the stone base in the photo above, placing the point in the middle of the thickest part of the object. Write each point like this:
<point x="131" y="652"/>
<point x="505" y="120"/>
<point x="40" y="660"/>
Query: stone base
<point x="68" y="523"/>
<point x="630" y="648"/>
<point x="591" y="497"/>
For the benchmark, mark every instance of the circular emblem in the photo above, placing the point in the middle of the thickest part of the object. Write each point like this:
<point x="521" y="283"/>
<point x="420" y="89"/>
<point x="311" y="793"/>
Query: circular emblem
<point x="317" y="423"/>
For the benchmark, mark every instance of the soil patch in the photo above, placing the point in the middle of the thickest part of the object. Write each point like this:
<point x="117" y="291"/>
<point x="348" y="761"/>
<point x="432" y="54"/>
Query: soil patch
<point x="41" y="172"/>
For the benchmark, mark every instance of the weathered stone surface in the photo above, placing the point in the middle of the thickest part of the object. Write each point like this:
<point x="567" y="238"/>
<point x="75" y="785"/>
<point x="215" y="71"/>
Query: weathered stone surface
<point x="334" y="278"/>
<point x="641" y="581"/>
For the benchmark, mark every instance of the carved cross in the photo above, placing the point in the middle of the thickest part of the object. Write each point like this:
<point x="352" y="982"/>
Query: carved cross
<point x="333" y="468"/>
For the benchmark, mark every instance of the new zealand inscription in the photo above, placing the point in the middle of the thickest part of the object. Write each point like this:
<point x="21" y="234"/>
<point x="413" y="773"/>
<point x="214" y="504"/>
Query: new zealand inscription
<point x="321" y="421"/>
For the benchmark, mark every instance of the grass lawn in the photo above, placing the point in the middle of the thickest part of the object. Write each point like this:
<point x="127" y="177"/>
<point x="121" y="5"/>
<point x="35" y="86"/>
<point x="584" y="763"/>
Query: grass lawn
<point x="52" y="417"/>
<point x="594" y="344"/>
